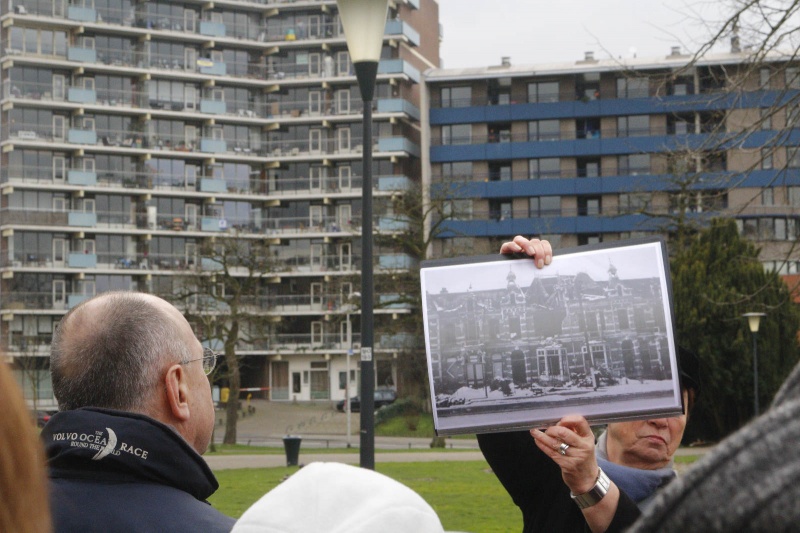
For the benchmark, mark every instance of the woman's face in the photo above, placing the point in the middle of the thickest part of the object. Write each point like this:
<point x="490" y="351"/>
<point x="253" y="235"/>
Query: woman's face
<point x="645" y="444"/>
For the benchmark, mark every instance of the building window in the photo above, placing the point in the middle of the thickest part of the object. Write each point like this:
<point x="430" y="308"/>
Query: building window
<point x="500" y="209"/>
<point x="456" y="134"/>
<point x="456" y="96"/>
<point x="633" y="126"/>
<point x="794" y="196"/>
<point x="793" y="156"/>
<point x="544" y="206"/>
<point x="457" y="209"/>
<point x="500" y="171"/>
<point x="548" y="167"/>
<point x="766" y="158"/>
<point x="500" y="133"/>
<point x="764" y="75"/>
<point x="633" y="87"/>
<point x="768" y="196"/>
<point x="585" y="239"/>
<point x="589" y="168"/>
<point x="544" y="130"/>
<point x="460" y="170"/>
<point x="542" y="91"/>
<point x="633" y="164"/>
<point x="633" y="202"/>
<point x="766" y="118"/>
<point x="589" y="206"/>
<point x="792" y="80"/>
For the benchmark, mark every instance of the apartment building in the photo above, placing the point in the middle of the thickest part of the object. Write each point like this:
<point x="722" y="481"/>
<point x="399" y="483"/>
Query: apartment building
<point x="600" y="150"/>
<point x="133" y="132"/>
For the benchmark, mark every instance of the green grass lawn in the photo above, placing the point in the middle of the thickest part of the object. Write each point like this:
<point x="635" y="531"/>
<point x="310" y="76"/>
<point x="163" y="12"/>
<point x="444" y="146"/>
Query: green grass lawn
<point x="466" y="495"/>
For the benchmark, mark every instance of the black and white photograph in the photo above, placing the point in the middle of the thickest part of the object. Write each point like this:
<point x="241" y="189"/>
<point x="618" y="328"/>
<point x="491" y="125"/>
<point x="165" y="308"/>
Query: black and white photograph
<point x="510" y="346"/>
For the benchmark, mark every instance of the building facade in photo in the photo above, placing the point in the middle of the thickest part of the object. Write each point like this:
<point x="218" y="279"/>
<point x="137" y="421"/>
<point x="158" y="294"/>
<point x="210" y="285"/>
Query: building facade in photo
<point x="134" y="133"/>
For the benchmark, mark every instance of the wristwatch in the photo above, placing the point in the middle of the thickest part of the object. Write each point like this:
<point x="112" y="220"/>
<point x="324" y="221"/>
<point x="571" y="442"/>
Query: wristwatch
<point x="595" y="494"/>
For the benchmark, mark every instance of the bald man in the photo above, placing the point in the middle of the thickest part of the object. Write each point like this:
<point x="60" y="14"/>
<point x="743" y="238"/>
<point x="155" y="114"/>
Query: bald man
<point x="135" y="414"/>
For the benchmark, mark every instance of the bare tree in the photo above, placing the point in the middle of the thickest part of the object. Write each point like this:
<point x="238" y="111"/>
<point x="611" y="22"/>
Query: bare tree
<point x="224" y="297"/>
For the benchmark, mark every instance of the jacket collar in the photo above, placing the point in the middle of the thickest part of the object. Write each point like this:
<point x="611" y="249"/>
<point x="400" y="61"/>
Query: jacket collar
<point x="104" y="444"/>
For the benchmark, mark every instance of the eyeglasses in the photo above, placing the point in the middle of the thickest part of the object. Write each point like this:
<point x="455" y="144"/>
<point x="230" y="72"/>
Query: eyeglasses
<point x="209" y="360"/>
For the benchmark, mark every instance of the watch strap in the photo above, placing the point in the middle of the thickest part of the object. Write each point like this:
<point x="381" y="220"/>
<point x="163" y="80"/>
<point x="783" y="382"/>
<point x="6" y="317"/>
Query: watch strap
<point x="595" y="494"/>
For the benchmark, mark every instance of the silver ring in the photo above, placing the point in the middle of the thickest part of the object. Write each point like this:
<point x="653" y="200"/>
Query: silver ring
<point x="562" y="448"/>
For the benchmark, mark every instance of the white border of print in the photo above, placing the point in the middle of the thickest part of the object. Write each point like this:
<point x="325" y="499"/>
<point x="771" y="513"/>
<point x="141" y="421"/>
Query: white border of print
<point x="637" y="259"/>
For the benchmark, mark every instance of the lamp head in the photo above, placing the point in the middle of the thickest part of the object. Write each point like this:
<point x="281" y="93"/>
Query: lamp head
<point x="364" y="23"/>
<point x="754" y="320"/>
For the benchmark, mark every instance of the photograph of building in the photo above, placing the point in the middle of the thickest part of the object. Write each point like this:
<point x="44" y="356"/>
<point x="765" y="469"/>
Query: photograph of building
<point x="135" y="133"/>
<point x="518" y="342"/>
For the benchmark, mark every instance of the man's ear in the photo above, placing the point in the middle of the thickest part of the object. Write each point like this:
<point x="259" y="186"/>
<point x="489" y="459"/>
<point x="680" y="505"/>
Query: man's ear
<point x="177" y="387"/>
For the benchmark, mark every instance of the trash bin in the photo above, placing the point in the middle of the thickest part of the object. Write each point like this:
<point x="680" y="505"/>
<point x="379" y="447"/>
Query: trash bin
<point x="292" y="446"/>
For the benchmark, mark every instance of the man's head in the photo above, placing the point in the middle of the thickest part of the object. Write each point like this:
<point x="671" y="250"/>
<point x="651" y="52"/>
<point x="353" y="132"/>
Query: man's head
<point x="126" y="351"/>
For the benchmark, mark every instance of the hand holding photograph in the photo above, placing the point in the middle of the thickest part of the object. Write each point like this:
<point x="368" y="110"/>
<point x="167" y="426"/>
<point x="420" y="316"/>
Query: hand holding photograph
<point x="510" y="346"/>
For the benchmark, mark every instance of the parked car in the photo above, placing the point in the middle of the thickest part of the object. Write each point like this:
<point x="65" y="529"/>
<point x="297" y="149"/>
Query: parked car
<point x="43" y="416"/>
<point x="382" y="397"/>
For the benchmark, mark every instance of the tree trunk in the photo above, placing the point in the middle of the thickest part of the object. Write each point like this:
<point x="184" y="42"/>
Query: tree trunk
<point x="234" y="383"/>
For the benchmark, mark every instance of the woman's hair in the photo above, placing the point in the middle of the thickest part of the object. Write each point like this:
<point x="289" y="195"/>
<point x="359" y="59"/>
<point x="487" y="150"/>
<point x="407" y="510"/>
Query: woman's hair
<point x="24" y="506"/>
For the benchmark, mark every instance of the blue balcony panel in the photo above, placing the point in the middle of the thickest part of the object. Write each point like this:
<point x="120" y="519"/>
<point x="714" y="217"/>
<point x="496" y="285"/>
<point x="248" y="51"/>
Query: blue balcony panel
<point x="206" y="66"/>
<point x="212" y="29"/>
<point x="212" y="185"/>
<point x="399" y="27"/>
<point x="81" y="177"/>
<point x="81" y="96"/>
<point x="82" y="55"/>
<point x="75" y="299"/>
<point x="398" y="105"/>
<point x="81" y="14"/>
<point x="213" y="146"/>
<point x="398" y="66"/>
<point x="206" y="263"/>
<point x="392" y="224"/>
<point x="390" y="301"/>
<point x="215" y="107"/>
<point x="213" y="224"/>
<point x="83" y="220"/>
<point x="396" y="261"/>
<point x="82" y="137"/>
<point x="393" y="183"/>
<point x="414" y="4"/>
<point x="81" y="260"/>
<point x="397" y="144"/>
<point x="610" y="107"/>
<point x="551" y="224"/>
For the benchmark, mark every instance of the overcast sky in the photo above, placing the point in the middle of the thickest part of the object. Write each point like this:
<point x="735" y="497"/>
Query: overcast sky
<point x="479" y="33"/>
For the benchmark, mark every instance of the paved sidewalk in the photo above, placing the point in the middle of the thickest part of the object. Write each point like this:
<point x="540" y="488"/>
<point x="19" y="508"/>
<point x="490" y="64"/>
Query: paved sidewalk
<point x="321" y="426"/>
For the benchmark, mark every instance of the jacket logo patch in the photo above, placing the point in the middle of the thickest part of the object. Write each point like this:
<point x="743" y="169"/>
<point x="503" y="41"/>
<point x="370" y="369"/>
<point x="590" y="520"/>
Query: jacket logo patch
<point x="97" y="441"/>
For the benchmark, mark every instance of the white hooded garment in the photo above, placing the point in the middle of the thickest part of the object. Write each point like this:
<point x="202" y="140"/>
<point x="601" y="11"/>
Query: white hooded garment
<point x="338" y="498"/>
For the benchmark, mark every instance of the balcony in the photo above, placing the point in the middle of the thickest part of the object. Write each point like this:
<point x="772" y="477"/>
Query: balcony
<point x="81" y="55"/>
<point x="213" y="107"/>
<point x="206" y="66"/>
<point x="79" y="219"/>
<point x="81" y="177"/>
<point x="398" y="105"/>
<point x="76" y="136"/>
<point x="81" y="96"/>
<point x="81" y="260"/>
<point x="399" y="27"/>
<point x="213" y="146"/>
<point x="398" y="66"/>
<point x="81" y="14"/>
<point x="212" y="29"/>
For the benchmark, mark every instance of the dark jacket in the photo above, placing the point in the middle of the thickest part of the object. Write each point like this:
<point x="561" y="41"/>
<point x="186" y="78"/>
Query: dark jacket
<point x="534" y="482"/>
<point x="119" y="471"/>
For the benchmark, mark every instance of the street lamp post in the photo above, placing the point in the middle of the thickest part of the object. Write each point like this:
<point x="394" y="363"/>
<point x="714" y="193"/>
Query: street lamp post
<point x="364" y="23"/>
<point x="754" y="320"/>
<point x="349" y="411"/>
